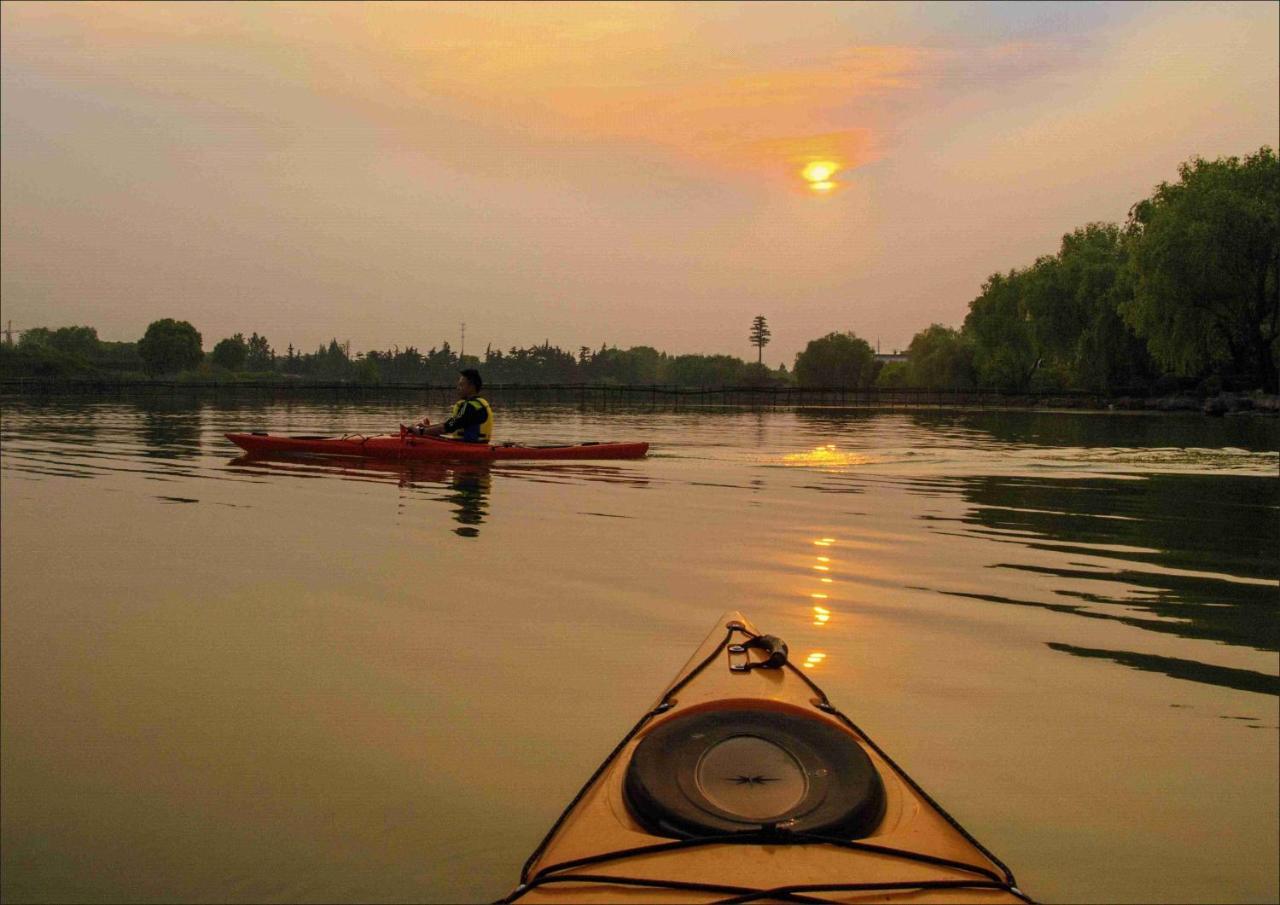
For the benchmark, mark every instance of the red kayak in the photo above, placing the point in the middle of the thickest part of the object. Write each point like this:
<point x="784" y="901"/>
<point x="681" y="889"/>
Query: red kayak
<point x="407" y="446"/>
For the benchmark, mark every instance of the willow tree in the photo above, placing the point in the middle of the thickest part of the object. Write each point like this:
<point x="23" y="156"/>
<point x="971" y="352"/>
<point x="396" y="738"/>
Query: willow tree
<point x="1004" y="355"/>
<point x="1205" y="253"/>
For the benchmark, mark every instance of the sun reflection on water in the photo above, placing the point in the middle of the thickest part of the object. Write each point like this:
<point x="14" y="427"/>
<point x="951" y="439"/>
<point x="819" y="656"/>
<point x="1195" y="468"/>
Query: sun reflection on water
<point x="822" y="599"/>
<point x="827" y="456"/>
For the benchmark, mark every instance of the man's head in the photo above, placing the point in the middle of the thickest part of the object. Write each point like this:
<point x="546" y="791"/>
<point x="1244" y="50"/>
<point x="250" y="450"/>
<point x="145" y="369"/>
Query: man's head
<point x="469" y="382"/>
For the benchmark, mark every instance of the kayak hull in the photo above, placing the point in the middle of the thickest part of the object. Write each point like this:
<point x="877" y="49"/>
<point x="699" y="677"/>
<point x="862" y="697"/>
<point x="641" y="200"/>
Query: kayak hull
<point x="392" y="446"/>
<point x="915" y="853"/>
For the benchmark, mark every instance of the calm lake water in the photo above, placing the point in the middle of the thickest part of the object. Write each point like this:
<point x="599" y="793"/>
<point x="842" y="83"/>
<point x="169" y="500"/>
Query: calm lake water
<point x="233" y="680"/>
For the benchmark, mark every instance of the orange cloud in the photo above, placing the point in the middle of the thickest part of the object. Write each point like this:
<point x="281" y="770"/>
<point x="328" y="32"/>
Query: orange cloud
<point x="621" y="75"/>
<point x="484" y="88"/>
<point x="616" y="73"/>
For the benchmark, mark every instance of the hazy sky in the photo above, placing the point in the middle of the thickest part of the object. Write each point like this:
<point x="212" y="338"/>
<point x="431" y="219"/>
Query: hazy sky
<point x="587" y="172"/>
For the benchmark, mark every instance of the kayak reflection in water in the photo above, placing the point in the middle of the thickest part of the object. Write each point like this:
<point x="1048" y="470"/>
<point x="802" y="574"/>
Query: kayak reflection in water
<point x="470" y="498"/>
<point x="471" y="419"/>
<point x="466" y="484"/>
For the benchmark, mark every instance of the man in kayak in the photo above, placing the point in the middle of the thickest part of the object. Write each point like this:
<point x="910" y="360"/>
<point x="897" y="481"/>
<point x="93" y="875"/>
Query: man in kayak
<point x="471" y="419"/>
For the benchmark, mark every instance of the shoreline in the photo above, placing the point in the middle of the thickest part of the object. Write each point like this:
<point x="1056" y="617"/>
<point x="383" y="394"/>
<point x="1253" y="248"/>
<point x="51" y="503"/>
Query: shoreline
<point x="677" y="396"/>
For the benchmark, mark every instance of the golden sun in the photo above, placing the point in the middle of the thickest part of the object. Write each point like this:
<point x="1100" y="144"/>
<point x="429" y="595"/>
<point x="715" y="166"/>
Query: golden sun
<point x="819" y="171"/>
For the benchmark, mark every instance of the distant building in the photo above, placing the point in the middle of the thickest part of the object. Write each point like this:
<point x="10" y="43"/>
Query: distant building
<point x="886" y="357"/>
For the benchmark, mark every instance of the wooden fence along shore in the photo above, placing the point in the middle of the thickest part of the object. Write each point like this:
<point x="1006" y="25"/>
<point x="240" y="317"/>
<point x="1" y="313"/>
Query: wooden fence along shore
<point x="604" y="396"/>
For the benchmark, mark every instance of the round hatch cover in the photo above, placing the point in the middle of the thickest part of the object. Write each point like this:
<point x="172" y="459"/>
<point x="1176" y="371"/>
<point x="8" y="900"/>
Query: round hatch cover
<point x="741" y="768"/>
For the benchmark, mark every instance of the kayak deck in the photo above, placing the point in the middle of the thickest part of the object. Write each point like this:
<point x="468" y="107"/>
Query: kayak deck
<point x="404" y="446"/>
<point x="598" y="851"/>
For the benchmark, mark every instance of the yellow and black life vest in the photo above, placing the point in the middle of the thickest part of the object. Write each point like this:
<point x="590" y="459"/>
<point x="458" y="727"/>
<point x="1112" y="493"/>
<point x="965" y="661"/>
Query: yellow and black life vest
<point x="476" y="433"/>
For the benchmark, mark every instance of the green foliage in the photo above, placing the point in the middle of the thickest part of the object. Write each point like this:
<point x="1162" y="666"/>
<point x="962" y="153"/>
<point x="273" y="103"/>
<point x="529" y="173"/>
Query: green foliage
<point x="939" y="357"/>
<point x="836" y="360"/>
<point x="548" y="364"/>
<point x="704" y="370"/>
<point x="253" y="358"/>
<point x="638" y="365"/>
<point x="259" y="355"/>
<point x="121" y="359"/>
<point x="169" y="346"/>
<point x="366" y="371"/>
<point x="230" y="353"/>
<point x="81" y="342"/>
<point x="68" y="352"/>
<point x="1094" y="279"/>
<point x="1206" y="265"/>
<point x="35" y="337"/>
<point x="756" y="374"/>
<point x="436" y="366"/>
<point x="999" y="328"/>
<point x="892" y="376"/>
<point x="1056" y="325"/>
<point x="538" y="364"/>
<point x="331" y="362"/>
<point x="40" y="360"/>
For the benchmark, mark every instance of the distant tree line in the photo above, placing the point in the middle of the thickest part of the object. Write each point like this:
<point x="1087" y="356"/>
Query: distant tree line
<point x="1183" y="295"/>
<point x="68" y="352"/>
<point x="174" y="348"/>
